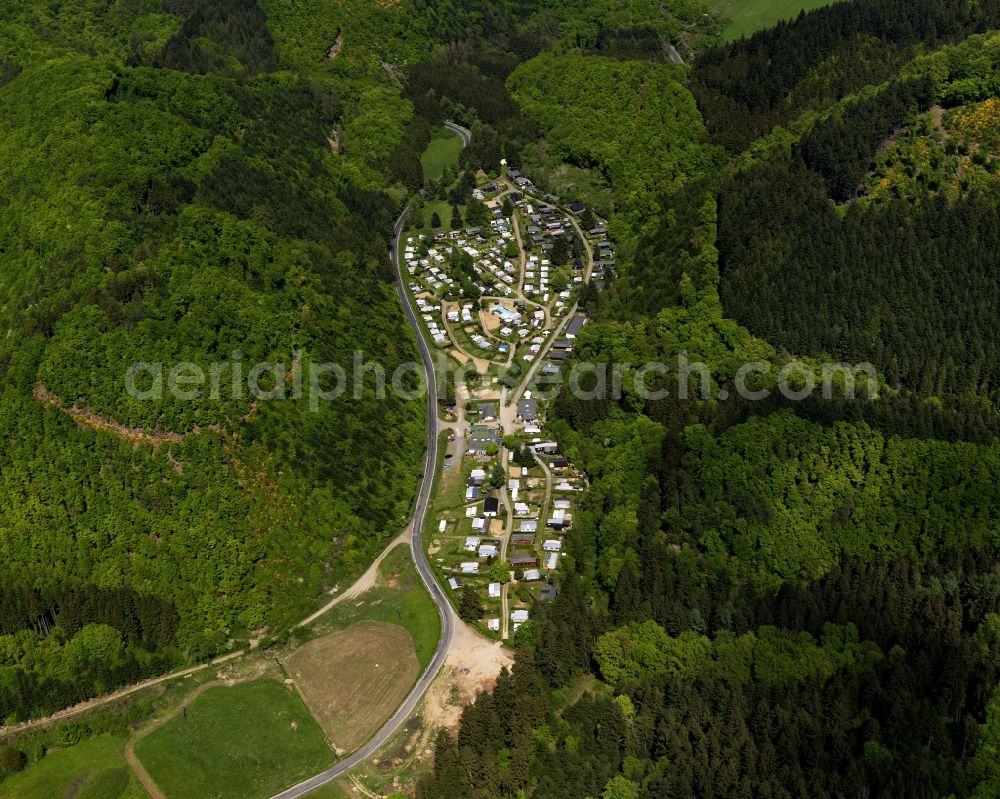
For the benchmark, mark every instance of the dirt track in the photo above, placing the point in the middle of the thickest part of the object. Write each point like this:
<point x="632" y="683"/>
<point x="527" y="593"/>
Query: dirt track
<point x="136" y="765"/>
<point x="364" y="583"/>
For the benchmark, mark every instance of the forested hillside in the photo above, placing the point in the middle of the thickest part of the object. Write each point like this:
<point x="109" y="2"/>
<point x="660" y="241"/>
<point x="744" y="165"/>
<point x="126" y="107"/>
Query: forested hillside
<point x="169" y="195"/>
<point x="747" y="87"/>
<point x="759" y="597"/>
<point x="214" y="183"/>
<point x="905" y="282"/>
<point x="774" y="597"/>
<point x="632" y="121"/>
<point x="856" y="233"/>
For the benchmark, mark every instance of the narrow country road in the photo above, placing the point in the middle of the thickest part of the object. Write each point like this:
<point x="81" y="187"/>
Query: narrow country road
<point x="448" y="618"/>
<point x="416" y="541"/>
<point x="363" y="583"/>
<point x="546" y="509"/>
<point x="512" y="399"/>
<point x="465" y="133"/>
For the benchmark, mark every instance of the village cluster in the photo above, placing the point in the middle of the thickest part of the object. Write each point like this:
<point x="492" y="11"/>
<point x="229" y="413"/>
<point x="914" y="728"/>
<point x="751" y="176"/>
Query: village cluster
<point x="509" y="540"/>
<point x="493" y="292"/>
<point x="493" y="296"/>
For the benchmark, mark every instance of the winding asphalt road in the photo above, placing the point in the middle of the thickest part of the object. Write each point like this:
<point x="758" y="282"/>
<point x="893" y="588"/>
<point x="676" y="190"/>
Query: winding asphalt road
<point x="419" y="558"/>
<point x="465" y="133"/>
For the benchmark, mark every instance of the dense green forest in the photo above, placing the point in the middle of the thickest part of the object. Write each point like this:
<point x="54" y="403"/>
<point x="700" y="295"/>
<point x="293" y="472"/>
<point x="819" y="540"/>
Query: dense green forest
<point x="774" y="597"/>
<point x="169" y="195"/>
<point x="759" y="598"/>
<point x="633" y="121"/>
<point x="747" y="87"/>
<point x="906" y="282"/>
<point x="853" y="233"/>
<point x="215" y="183"/>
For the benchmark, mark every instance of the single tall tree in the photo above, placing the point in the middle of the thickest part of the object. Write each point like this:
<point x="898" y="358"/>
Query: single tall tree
<point x="560" y="250"/>
<point x="469" y="605"/>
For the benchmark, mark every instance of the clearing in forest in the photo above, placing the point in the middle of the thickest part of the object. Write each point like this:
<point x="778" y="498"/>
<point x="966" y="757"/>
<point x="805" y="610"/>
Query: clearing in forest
<point x="748" y="16"/>
<point x="443" y="150"/>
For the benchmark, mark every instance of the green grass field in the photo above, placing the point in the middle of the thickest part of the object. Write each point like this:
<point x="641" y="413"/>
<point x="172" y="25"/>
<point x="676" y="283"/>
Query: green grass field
<point x="398" y="598"/>
<point x="239" y="742"/>
<point x="443" y="151"/>
<point x="94" y="769"/>
<point x="748" y="16"/>
<point x="443" y="211"/>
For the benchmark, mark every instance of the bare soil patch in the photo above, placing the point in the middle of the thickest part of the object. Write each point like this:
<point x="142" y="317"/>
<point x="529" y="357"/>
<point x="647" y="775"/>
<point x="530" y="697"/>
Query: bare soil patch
<point x="352" y="680"/>
<point x="336" y="47"/>
<point x="473" y="664"/>
<point x="86" y="417"/>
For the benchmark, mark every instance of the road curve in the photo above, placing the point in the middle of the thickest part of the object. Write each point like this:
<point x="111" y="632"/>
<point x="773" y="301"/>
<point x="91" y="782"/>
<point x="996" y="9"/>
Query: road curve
<point x="419" y="558"/>
<point x="465" y="133"/>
